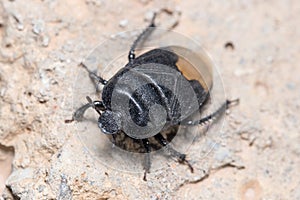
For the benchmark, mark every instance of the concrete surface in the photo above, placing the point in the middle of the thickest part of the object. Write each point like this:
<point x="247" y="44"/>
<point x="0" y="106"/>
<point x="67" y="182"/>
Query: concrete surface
<point x="257" y="48"/>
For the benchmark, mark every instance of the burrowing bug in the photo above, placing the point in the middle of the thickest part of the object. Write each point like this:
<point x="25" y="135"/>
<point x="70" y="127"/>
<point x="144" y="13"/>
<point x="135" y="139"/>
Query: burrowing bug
<point x="153" y="93"/>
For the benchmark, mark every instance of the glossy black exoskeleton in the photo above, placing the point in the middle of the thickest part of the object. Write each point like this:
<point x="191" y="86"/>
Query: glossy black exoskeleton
<point x="154" y="93"/>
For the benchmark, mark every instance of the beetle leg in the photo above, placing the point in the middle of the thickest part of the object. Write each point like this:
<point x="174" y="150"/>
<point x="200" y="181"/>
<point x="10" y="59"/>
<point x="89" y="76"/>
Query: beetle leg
<point x="180" y="156"/>
<point x="78" y="114"/>
<point x="213" y="116"/>
<point x="147" y="161"/>
<point x="94" y="77"/>
<point x="143" y="35"/>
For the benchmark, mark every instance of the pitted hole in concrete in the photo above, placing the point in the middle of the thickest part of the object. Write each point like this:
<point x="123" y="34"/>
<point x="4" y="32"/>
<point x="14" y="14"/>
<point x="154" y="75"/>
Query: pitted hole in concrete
<point x="229" y="45"/>
<point x="251" y="190"/>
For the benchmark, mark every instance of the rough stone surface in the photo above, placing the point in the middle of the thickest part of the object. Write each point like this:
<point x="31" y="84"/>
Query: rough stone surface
<point x="255" y="43"/>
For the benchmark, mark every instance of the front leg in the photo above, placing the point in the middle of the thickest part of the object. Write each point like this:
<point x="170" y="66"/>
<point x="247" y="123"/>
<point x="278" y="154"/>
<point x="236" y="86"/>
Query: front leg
<point x="78" y="114"/>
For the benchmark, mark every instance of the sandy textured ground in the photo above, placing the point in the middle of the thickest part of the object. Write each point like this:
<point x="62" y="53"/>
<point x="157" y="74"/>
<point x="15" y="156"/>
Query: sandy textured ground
<point x="256" y="46"/>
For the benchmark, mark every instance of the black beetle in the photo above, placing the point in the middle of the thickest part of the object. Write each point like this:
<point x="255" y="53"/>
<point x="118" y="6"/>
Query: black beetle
<point x="153" y="93"/>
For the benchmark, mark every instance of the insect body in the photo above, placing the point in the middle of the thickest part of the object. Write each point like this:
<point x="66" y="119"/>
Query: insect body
<point x="155" y="92"/>
<point x="149" y="94"/>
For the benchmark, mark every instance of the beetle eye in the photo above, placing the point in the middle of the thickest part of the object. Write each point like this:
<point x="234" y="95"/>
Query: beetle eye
<point x="109" y="122"/>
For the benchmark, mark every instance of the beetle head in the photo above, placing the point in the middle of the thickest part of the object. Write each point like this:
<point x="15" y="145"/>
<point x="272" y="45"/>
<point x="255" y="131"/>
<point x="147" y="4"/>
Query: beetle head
<point x="109" y="122"/>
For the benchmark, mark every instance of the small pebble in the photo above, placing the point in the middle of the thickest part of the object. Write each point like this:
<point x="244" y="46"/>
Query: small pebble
<point x="123" y="23"/>
<point x="38" y="26"/>
<point x="150" y="184"/>
<point x="45" y="41"/>
<point x="270" y="59"/>
<point x="20" y="26"/>
<point x="243" y="71"/>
